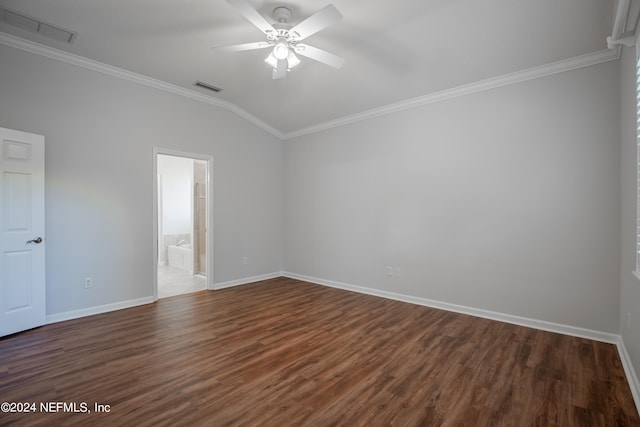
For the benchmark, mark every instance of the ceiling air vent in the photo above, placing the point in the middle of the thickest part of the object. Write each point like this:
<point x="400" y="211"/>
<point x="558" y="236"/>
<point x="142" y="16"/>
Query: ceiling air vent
<point x="35" y="26"/>
<point x="207" y="86"/>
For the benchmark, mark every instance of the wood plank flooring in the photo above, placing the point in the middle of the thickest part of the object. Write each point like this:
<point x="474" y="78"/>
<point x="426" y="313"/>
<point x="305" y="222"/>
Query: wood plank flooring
<point x="288" y="353"/>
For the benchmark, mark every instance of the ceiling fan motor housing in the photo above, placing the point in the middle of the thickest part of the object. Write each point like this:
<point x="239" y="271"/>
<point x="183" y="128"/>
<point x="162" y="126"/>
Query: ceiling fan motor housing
<point x="282" y="14"/>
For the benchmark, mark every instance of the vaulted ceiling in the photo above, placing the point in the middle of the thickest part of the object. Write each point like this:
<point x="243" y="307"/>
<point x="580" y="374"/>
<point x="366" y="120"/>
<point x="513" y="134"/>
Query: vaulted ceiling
<point x="394" y="50"/>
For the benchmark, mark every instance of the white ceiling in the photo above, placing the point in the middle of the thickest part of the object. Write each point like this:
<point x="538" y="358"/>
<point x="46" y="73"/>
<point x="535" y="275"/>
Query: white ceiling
<point x="395" y="49"/>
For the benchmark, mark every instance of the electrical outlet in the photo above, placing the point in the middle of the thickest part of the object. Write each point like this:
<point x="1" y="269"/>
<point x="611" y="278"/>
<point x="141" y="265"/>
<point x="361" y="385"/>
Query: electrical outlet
<point x="245" y="260"/>
<point x="389" y="271"/>
<point x="88" y="282"/>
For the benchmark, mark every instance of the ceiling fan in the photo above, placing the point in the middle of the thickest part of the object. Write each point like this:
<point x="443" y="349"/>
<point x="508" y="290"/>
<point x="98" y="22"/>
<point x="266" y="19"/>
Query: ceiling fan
<point x="285" y="39"/>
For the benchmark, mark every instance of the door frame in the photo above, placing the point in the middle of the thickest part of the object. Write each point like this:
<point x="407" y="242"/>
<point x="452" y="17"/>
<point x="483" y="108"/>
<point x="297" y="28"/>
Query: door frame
<point x="209" y="220"/>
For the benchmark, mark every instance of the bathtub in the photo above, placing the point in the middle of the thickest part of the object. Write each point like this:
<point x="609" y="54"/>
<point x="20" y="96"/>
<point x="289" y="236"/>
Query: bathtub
<point x="181" y="257"/>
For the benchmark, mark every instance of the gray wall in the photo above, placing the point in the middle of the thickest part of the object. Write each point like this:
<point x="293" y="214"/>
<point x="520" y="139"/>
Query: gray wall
<point x="100" y="132"/>
<point x="506" y="200"/>
<point x="630" y="285"/>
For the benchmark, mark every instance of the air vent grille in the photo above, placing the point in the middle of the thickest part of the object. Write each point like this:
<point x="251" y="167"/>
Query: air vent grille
<point x="35" y="26"/>
<point x="207" y="86"/>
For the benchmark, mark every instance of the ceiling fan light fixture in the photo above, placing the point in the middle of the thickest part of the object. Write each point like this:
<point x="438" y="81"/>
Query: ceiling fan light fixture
<point x="292" y="60"/>
<point x="271" y="60"/>
<point x="281" y="51"/>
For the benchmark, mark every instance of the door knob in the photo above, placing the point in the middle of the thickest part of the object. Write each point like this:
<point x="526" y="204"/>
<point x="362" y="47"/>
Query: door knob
<point x="36" y="240"/>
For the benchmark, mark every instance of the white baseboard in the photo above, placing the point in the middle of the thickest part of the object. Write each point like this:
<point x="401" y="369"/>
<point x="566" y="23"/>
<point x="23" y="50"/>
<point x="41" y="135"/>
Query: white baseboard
<point x="90" y="311"/>
<point x="632" y="377"/>
<point x="502" y="317"/>
<point x="247" y="280"/>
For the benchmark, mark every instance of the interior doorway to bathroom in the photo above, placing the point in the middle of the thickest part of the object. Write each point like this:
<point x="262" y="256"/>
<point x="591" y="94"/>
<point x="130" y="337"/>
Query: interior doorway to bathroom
<point x="182" y="240"/>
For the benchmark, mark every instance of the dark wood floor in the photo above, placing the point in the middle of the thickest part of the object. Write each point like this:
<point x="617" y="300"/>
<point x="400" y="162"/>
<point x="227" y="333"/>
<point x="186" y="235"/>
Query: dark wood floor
<point x="287" y="353"/>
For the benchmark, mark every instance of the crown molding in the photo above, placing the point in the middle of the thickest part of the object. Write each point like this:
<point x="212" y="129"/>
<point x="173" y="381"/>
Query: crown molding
<point x="574" y="63"/>
<point x="89" y="64"/>
<point x="621" y="14"/>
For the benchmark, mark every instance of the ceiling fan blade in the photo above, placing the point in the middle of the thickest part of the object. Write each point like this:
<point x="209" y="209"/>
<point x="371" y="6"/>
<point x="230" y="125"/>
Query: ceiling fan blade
<point x="252" y="16"/>
<point x="281" y="71"/>
<point x="316" y="22"/>
<point x="319" y="55"/>
<point x="241" y="47"/>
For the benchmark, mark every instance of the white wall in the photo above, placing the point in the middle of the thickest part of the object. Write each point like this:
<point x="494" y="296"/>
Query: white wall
<point x="506" y="200"/>
<point x="630" y="285"/>
<point x="100" y="132"/>
<point x="176" y="175"/>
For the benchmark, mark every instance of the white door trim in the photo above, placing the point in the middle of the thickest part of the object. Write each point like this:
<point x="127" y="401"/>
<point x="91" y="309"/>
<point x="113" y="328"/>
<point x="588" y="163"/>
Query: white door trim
<point x="209" y="244"/>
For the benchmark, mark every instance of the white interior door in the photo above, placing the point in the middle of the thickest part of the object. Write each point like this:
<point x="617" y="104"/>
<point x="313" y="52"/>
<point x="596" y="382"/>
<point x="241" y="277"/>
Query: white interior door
<point x="22" y="255"/>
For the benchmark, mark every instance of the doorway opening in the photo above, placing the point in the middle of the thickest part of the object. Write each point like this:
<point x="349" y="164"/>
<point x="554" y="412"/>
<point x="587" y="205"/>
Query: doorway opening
<point x="182" y="241"/>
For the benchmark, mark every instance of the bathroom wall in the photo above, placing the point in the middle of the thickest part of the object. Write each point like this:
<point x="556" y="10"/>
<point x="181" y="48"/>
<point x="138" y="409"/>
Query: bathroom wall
<point x="199" y="240"/>
<point x="175" y="215"/>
